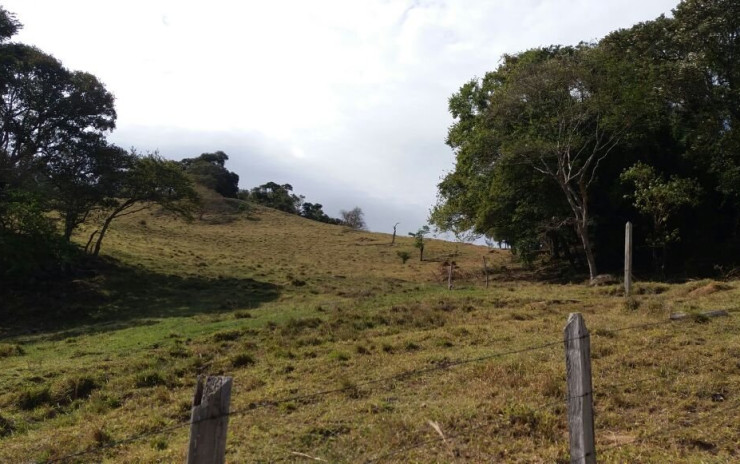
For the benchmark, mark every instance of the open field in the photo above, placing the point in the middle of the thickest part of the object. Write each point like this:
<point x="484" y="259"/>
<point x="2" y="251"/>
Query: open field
<point x="290" y="307"/>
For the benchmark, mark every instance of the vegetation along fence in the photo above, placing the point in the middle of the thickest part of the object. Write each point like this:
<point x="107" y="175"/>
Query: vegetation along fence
<point x="210" y="411"/>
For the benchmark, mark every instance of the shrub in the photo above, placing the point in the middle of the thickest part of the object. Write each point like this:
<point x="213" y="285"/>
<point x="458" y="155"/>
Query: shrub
<point x="404" y="255"/>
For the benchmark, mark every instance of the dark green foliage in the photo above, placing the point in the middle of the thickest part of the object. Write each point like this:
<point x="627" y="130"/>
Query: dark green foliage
<point x="315" y="212"/>
<point x="9" y="26"/>
<point x="419" y="240"/>
<point x="29" y="245"/>
<point x="276" y="196"/>
<point x="541" y="144"/>
<point x="404" y="255"/>
<point x="146" y="181"/>
<point x="208" y="170"/>
<point x="53" y="121"/>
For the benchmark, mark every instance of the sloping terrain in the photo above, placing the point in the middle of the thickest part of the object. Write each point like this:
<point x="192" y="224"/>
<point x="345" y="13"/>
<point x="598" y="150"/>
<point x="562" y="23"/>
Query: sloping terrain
<point x="341" y="352"/>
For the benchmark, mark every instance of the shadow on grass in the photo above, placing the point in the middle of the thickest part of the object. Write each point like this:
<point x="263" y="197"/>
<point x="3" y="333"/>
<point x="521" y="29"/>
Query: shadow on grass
<point x="110" y="296"/>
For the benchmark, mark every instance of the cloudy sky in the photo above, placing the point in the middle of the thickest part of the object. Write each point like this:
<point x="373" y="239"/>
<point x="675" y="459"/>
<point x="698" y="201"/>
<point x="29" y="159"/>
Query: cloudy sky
<point x="346" y="100"/>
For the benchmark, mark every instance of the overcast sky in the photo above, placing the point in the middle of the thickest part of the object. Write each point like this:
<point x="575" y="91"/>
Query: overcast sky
<point x="345" y="100"/>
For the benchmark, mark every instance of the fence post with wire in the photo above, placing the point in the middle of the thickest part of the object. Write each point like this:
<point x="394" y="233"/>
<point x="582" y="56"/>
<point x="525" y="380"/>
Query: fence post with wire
<point x="580" y="393"/>
<point x="209" y="421"/>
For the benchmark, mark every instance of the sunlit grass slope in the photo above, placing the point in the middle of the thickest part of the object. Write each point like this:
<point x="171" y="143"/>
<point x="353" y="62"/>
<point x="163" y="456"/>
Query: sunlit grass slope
<point x="289" y="307"/>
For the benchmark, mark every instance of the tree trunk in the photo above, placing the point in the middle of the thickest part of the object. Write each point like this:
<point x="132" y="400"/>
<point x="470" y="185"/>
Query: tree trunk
<point x="589" y="253"/>
<point x="578" y="201"/>
<point x="582" y="231"/>
<point x="99" y="242"/>
<point x="89" y="241"/>
<point x="421" y="253"/>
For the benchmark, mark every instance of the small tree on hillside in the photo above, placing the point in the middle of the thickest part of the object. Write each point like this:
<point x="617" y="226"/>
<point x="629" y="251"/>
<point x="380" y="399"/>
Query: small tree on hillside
<point x="147" y="181"/>
<point x="419" y="240"/>
<point x="354" y="218"/>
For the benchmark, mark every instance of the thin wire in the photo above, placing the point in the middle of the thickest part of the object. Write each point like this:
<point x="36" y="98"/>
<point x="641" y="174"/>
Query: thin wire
<point x="661" y="432"/>
<point x="297" y="398"/>
<point x="421" y="443"/>
<point x="402" y="375"/>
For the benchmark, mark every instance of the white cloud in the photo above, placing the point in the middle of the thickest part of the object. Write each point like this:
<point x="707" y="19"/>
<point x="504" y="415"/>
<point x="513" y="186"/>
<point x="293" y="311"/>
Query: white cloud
<point x="350" y="98"/>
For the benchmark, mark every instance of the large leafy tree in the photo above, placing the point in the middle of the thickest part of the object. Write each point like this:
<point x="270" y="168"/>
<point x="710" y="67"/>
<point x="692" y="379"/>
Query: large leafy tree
<point x="50" y="117"/>
<point x="83" y="179"/>
<point x="44" y="109"/>
<point x="560" y="111"/>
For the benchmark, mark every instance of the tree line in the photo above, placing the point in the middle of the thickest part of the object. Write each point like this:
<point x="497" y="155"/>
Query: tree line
<point x="559" y="146"/>
<point x="58" y="171"/>
<point x="209" y="170"/>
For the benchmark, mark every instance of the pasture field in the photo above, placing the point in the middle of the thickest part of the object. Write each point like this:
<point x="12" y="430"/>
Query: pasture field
<point x="105" y="363"/>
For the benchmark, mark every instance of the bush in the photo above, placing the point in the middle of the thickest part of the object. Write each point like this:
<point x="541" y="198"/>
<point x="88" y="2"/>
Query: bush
<point x="404" y="255"/>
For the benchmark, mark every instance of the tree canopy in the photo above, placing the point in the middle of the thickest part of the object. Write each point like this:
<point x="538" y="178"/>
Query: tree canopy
<point x="542" y="143"/>
<point x="208" y="170"/>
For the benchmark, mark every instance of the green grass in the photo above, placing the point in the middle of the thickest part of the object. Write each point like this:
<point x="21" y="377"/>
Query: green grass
<point x="289" y="307"/>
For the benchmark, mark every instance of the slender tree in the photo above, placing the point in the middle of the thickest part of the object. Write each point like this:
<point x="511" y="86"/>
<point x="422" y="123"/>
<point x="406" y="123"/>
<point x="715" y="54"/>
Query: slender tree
<point x="148" y="181"/>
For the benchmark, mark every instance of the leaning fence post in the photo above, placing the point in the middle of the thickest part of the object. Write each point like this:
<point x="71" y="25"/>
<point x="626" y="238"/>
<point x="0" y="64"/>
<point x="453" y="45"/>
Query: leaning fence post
<point x="209" y="421"/>
<point x="580" y="395"/>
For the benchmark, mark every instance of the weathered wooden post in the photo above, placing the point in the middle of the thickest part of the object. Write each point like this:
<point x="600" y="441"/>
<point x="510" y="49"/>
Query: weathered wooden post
<point x="449" y="276"/>
<point x="209" y="421"/>
<point x="485" y="270"/>
<point x="628" y="259"/>
<point x="580" y="394"/>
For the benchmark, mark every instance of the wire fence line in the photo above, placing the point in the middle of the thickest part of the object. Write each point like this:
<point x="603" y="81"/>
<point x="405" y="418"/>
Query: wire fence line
<point x="662" y="433"/>
<point x="297" y="398"/>
<point x="443" y="365"/>
<point x="539" y="409"/>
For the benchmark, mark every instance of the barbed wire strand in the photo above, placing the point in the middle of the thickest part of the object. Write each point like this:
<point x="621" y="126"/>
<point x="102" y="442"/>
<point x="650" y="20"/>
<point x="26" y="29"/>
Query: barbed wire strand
<point x="297" y="398"/>
<point x="265" y="403"/>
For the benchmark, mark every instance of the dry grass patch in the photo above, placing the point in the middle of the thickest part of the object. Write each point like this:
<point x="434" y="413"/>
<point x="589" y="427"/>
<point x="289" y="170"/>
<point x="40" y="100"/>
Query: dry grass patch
<point x="485" y="366"/>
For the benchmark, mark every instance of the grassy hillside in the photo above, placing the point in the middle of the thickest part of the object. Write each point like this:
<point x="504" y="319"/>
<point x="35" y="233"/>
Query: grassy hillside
<point x="290" y="307"/>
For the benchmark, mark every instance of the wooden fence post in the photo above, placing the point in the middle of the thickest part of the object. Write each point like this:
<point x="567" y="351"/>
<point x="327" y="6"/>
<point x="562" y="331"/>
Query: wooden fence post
<point x="449" y="276"/>
<point x="580" y="395"/>
<point x="209" y="421"/>
<point x="628" y="259"/>
<point x="485" y="270"/>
